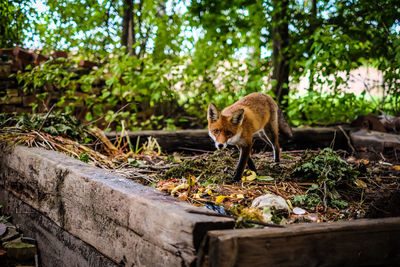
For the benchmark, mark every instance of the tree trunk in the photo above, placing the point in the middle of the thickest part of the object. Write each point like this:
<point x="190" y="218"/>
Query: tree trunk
<point x="128" y="27"/>
<point x="280" y="54"/>
<point x="313" y="27"/>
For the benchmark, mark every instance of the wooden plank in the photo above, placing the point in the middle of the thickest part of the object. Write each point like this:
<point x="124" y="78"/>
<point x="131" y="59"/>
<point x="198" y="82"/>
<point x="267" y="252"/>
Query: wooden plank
<point x="374" y="141"/>
<point x="352" y="243"/>
<point x="312" y="138"/>
<point x="128" y="222"/>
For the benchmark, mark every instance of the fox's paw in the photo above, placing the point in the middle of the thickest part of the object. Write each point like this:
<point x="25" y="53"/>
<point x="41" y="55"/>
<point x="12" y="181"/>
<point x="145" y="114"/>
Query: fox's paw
<point x="236" y="177"/>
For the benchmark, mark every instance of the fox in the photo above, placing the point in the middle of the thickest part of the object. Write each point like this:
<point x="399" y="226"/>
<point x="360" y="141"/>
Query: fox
<point x="256" y="113"/>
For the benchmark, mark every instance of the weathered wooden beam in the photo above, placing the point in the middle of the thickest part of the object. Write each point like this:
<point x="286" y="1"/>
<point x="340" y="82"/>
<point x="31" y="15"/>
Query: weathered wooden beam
<point x="374" y="141"/>
<point x="352" y="243"/>
<point x="312" y="138"/>
<point x="56" y="246"/>
<point x="129" y="223"/>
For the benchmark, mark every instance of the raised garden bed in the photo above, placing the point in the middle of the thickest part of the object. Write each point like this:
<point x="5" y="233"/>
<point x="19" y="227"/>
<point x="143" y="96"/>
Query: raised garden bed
<point x="134" y="224"/>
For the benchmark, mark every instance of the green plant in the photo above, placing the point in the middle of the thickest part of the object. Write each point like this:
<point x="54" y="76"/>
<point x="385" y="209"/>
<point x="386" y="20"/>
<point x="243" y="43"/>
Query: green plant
<point x="53" y="74"/>
<point x="328" y="170"/>
<point x="315" y="108"/>
<point x="58" y="124"/>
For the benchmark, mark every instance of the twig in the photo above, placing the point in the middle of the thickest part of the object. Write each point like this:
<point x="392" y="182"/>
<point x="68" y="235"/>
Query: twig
<point x="348" y="139"/>
<point x="44" y="140"/>
<point x="45" y="118"/>
<point x="195" y="150"/>
<point x="116" y="113"/>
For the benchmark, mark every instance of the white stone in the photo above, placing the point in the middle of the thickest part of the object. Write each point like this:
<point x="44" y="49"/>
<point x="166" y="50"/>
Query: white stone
<point x="271" y="201"/>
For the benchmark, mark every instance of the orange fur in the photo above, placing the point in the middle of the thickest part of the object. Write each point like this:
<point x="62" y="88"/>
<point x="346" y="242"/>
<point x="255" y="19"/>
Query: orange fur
<point x="237" y="124"/>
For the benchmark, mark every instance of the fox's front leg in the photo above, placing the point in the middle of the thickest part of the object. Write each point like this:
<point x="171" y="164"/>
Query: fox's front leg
<point x="243" y="159"/>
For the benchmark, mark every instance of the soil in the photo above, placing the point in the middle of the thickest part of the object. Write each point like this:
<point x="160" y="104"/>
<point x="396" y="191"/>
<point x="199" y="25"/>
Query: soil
<point x="206" y="180"/>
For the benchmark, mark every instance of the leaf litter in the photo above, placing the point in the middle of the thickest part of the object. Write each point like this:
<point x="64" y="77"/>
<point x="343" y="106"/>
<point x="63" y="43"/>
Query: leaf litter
<point x="327" y="185"/>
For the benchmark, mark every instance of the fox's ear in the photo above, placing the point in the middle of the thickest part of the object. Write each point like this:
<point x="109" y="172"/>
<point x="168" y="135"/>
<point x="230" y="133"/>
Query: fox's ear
<point x="213" y="113"/>
<point x="237" y="117"/>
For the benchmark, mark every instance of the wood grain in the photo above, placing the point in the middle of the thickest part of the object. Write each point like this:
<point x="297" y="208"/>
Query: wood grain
<point x="352" y="243"/>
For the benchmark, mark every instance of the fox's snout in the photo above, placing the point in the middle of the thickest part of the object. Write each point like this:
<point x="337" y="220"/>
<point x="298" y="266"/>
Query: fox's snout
<point x="219" y="145"/>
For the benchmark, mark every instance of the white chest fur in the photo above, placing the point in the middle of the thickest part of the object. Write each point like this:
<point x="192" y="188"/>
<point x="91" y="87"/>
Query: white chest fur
<point x="235" y="140"/>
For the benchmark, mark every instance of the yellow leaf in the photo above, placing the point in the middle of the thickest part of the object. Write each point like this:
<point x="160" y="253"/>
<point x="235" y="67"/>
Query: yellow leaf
<point x="396" y="167"/>
<point x="191" y="180"/>
<point x="239" y="196"/>
<point x="289" y="203"/>
<point x="196" y="196"/>
<point x="183" y="195"/>
<point x="363" y="161"/>
<point x="360" y="183"/>
<point x="179" y="187"/>
<point x="249" y="176"/>
<point x="220" y="199"/>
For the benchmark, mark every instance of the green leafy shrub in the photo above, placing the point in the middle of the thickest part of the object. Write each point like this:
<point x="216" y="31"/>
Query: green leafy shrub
<point x="58" y="124"/>
<point x="315" y="108"/>
<point x="328" y="170"/>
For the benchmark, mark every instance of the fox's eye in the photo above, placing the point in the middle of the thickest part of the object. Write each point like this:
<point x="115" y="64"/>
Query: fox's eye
<point x="216" y="131"/>
<point x="229" y="133"/>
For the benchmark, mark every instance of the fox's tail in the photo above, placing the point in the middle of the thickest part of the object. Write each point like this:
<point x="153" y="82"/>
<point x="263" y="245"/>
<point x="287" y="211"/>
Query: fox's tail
<point x="284" y="127"/>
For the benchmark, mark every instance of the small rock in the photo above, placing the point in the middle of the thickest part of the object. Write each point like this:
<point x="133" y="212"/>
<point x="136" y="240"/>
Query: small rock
<point x="271" y="201"/>
<point x="299" y="211"/>
<point x="312" y="217"/>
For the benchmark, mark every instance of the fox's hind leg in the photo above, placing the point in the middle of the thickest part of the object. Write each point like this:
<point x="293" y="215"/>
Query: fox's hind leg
<point x="251" y="165"/>
<point x="271" y="133"/>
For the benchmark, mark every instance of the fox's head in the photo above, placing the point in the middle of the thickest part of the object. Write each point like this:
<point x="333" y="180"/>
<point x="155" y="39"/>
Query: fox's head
<point x="224" y="130"/>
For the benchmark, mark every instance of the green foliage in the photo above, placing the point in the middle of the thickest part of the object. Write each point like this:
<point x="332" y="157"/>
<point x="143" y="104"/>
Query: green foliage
<point x="13" y="22"/>
<point x="175" y="72"/>
<point x="84" y="157"/>
<point x="310" y="199"/>
<point x="315" y="108"/>
<point x="327" y="39"/>
<point x="328" y="170"/>
<point x="326" y="166"/>
<point x="58" y="124"/>
<point x="56" y="73"/>
<point x="94" y="27"/>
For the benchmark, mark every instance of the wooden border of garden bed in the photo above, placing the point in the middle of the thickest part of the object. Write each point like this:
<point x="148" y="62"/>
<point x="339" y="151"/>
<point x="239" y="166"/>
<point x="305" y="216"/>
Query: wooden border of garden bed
<point x="364" y="242"/>
<point x="133" y="224"/>
<point x="198" y="140"/>
<point x="129" y="223"/>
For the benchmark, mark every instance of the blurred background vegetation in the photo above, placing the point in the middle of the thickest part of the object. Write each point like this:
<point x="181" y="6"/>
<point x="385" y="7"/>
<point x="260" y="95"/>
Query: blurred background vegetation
<point x="162" y="62"/>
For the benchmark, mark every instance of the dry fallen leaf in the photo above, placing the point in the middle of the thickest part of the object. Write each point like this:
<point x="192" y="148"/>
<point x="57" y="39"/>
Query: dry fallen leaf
<point x="396" y="167"/>
<point x="182" y="195"/>
<point x="249" y="176"/>
<point x="360" y="183"/>
<point x="220" y="199"/>
<point x="363" y="161"/>
<point x="179" y="187"/>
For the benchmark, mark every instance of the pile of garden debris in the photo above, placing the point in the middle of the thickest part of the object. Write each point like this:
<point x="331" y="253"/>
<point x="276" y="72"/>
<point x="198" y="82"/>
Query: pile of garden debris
<point x="311" y="186"/>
